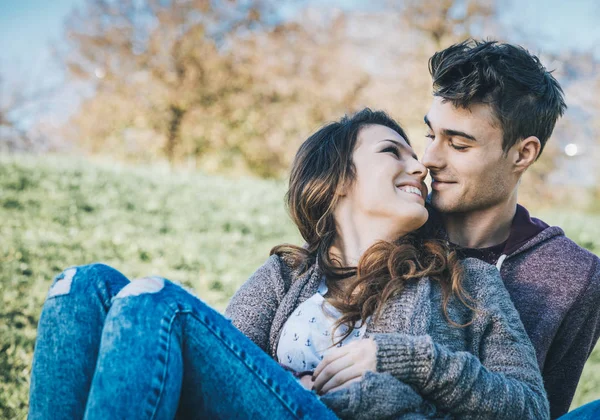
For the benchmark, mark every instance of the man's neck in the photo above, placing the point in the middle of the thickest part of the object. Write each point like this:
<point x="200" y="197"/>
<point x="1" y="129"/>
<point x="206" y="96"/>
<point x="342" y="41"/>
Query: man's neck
<point x="481" y="228"/>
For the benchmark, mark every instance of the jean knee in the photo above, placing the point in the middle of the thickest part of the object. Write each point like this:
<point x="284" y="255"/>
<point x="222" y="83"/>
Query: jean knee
<point x="144" y="297"/>
<point x="141" y="286"/>
<point x="158" y="289"/>
<point x="63" y="283"/>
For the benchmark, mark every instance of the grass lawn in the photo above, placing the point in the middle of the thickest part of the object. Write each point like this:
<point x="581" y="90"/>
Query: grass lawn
<point x="209" y="233"/>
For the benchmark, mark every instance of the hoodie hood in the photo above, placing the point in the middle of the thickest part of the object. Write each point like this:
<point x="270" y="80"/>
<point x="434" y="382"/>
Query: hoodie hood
<point x="527" y="232"/>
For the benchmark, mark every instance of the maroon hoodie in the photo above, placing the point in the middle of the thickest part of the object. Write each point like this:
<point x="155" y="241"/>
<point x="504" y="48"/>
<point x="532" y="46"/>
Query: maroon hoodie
<point x="555" y="286"/>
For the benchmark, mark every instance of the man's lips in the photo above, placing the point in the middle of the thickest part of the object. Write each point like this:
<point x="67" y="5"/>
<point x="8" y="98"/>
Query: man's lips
<point x="437" y="184"/>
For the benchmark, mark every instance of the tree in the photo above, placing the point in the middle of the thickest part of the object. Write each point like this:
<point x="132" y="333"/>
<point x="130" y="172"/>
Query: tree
<point x="209" y="81"/>
<point x="163" y="59"/>
<point x="445" y="22"/>
<point x="13" y="137"/>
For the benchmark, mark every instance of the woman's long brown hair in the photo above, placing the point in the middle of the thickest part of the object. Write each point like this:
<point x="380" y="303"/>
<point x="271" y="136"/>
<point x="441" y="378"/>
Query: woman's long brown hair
<point x="323" y="164"/>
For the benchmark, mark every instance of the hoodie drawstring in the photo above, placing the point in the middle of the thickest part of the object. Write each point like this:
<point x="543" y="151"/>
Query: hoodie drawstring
<point x="500" y="261"/>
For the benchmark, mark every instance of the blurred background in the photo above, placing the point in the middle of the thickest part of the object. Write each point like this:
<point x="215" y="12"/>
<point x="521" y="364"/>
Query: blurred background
<point x="156" y="135"/>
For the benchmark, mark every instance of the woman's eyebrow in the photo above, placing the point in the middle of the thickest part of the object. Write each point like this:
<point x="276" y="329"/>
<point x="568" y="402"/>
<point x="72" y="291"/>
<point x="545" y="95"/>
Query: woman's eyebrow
<point x="402" y="146"/>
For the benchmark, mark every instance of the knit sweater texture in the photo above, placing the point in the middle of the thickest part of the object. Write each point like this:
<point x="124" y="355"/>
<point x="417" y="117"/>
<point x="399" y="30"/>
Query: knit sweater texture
<point x="555" y="286"/>
<point x="426" y="368"/>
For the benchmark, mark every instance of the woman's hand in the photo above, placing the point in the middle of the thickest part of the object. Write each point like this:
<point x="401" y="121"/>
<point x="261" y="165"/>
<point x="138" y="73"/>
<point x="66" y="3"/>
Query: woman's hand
<point x="343" y="365"/>
<point x="307" y="382"/>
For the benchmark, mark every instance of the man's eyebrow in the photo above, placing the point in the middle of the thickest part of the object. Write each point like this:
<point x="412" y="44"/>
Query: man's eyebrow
<point x="451" y="133"/>
<point x="402" y="146"/>
<point x="456" y="133"/>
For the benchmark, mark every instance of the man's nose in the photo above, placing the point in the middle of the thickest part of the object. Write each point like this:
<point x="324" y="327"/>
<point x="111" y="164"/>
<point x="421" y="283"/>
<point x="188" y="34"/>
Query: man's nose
<point x="433" y="156"/>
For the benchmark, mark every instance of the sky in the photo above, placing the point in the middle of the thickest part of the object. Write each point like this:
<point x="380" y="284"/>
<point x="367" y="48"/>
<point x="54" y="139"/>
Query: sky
<point x="556" y="24"/>
<point x="28" y="29"/>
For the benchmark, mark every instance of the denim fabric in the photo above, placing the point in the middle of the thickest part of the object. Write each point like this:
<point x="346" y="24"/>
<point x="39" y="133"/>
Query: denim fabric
<point x="110" y="348"/>
<point x="590" y="411"/>
<point x="68" y="339"/>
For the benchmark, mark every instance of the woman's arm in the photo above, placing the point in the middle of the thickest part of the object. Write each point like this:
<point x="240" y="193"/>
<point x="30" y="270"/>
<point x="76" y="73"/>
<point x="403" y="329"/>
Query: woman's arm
<point x="253" y="307"/>
<point x="377" y="396"/>
<point x="503" y="382"/>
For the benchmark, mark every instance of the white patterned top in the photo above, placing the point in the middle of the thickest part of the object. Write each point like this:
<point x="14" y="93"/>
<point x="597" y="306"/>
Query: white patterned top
<point x="308" y="333"/>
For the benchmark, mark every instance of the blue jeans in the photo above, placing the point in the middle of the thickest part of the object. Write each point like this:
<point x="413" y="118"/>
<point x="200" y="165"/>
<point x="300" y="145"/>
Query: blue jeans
<point x="111" y="348"/>
<point x="590" y="411"/>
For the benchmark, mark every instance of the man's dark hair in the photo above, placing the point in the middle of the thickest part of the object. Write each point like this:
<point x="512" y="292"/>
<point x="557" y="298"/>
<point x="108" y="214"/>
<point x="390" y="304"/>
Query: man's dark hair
<point x="525" y="98"/>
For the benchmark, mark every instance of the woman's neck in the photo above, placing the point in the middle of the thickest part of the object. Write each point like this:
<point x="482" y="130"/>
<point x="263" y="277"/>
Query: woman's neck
<point x="356" y="234"/>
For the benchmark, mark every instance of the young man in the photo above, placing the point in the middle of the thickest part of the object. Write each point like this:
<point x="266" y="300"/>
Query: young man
<point x="493" y="110"/>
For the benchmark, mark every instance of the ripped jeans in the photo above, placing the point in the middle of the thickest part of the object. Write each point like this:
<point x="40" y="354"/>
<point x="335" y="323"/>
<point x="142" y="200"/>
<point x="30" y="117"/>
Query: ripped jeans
<point x="108" y="348"/>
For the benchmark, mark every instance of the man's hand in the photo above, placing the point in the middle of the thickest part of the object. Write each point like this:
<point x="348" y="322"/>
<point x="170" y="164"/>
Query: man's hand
<point x="343" y="365"/>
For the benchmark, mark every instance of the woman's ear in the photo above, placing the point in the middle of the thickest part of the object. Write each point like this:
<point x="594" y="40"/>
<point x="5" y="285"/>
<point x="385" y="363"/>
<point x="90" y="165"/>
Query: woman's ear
<point x="342" y="188"/>
<point x="527" y="151"/>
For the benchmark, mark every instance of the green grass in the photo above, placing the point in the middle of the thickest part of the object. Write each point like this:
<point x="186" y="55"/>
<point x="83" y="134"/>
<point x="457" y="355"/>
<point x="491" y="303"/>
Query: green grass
<point x="209" y="233"/>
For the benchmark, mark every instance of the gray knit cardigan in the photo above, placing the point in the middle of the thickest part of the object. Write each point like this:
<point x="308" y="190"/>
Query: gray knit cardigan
<point x="426" y="368"/>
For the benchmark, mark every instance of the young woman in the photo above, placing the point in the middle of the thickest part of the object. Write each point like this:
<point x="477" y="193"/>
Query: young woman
<point x="372" y="318"/>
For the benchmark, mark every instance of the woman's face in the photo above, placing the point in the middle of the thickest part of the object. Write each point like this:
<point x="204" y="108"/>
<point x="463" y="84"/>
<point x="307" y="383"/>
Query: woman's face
<point x="389" y="184"/>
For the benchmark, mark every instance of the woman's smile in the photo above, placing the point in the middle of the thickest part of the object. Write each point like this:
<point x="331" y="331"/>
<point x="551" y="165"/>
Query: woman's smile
<point x="410" y="190"/>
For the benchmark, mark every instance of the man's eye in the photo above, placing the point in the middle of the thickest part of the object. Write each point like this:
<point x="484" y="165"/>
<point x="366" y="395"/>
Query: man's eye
<point x="391" y="149"/>
<point x="459" y="147"/>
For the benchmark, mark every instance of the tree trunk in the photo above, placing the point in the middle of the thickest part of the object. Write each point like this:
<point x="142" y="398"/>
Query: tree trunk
<point x="173" y="135"/>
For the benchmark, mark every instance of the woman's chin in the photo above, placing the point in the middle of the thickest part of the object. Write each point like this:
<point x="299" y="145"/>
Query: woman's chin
<point x="414" y="219"/>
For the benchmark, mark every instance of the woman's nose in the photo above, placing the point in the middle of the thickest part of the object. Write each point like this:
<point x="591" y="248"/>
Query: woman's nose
<point x="417" y="168"/>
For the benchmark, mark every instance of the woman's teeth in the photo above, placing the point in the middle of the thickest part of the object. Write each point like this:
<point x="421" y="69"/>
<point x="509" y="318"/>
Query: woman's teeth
<point x="410" y="189"/>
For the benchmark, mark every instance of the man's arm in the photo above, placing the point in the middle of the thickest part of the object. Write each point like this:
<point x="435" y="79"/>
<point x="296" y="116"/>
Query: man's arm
<point x="574" y="342"/>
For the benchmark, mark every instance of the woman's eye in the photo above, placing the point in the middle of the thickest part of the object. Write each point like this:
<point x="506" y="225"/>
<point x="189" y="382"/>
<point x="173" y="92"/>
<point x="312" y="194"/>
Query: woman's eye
<point x="392" y="150"/>
<point x="430" y="136"/>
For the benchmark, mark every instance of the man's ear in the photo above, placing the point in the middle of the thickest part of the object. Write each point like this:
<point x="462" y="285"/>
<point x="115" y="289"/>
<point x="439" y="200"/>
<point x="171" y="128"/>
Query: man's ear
<point x="526" y="152"/>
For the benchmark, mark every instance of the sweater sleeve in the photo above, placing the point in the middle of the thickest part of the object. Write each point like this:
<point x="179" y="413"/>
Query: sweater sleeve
<point x="253" y="307"/>
<point x="572" y="345"/>
<point x="502" y="382"/>
<point x="378" y="396"/>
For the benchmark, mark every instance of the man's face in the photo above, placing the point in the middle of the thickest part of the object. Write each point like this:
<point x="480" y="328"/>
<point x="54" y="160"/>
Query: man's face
<point x="464" y="156"/>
